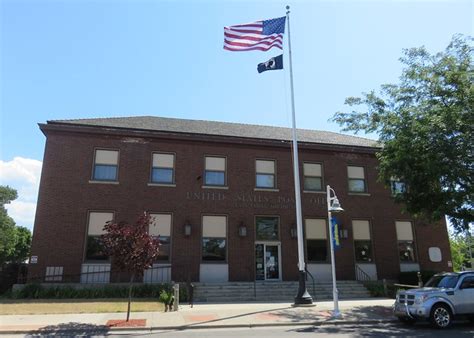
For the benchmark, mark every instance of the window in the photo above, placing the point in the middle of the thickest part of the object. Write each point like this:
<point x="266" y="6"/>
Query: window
<point x="356" y="178"/>
<point x="406" y="250"/>
<point x="215" y="171"/>
<point x="316" y="240"/>
<point x="162" y="171"/>
<point x="105" y="165"/>
<point x="435" y="254"/>
<point x="398" y="187"/>
<point x="267" y="228"/>
<point x="406" y="243"/>
<point x="362" y="242"/>
<point x="265" y="174"/>
<point x="94" y="247"/>
<point x="54" y="274"/>
<point x="313" y="180"/>
<point x="214" y="232"/>
<point x="161" y="227"/>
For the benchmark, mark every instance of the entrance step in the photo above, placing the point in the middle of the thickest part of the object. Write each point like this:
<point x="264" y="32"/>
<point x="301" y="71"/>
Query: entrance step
<point x="274" y="291"/>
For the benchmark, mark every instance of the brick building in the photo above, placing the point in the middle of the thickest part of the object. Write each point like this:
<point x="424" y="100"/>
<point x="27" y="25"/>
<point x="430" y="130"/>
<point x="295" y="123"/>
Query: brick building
<point x="222" y="195"/>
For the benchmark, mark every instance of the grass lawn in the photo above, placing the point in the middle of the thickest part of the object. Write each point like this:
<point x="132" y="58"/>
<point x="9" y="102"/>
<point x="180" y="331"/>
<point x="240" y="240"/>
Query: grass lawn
<point x="51" y="306"/>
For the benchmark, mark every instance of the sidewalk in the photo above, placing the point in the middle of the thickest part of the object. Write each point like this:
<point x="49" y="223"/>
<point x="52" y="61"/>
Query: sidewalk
<point x="205" y="316"/>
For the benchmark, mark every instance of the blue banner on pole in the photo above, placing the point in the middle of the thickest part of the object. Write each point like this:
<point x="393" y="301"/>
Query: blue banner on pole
<point x="335" y="233"/>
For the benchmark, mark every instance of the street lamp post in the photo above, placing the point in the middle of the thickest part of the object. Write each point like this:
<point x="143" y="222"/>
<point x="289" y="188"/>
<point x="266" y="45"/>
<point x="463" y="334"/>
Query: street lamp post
<point x="333" y="206"/>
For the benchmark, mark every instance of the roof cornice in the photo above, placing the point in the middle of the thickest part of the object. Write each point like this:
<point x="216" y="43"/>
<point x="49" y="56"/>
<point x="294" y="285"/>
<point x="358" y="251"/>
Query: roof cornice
<point x="53" y="126"/>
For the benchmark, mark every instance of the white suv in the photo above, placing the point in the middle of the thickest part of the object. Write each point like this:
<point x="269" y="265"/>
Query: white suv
<point x="444" y="296"/>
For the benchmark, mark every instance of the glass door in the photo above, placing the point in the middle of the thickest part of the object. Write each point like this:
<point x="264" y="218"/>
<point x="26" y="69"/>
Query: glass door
<point x="267" y="260"/>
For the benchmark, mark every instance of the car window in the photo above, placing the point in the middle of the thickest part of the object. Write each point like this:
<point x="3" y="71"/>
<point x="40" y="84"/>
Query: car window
<point x="445" y="281"/>
<point x="468" y="282"/>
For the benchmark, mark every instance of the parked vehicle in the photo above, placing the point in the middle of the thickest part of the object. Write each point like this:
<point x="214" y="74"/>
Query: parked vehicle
<point x="445" y="296"/>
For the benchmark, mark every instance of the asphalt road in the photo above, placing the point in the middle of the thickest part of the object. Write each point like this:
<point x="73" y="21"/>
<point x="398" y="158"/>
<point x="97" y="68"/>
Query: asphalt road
<point x="459" y="330"/>
<point x="380" y="330"/>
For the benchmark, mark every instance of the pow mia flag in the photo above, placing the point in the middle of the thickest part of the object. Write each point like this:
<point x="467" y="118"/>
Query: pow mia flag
<point x="272" y="64"/>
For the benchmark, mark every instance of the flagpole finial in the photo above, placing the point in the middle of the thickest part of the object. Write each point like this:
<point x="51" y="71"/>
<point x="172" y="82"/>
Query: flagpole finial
<point x="287" y="9"/>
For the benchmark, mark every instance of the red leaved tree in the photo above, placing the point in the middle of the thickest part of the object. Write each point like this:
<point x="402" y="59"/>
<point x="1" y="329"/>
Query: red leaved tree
<point x="131" y="247"/>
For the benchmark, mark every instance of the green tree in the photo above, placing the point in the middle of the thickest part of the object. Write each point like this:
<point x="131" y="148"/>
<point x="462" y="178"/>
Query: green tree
<point x="7" y="224"/>
<point x="22" y="245"/>
<point x="14" y="240"/>
<point x="425" y="125"/>
<point x="460" y="251"/>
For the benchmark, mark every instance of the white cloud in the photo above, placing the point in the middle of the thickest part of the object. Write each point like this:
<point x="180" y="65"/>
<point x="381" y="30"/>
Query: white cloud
<point x="22" y="174"/>
<point x="22" y="212"/>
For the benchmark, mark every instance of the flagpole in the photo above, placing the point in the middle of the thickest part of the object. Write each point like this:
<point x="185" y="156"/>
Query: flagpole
<point x="302" y="297"/>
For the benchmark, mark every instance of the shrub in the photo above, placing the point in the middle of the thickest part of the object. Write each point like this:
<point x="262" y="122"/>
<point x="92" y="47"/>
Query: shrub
<point x="165" y="297"/>
<point x="376" y="289"/>
<point x="28" y="291"/>
<point x="183" y="293"/>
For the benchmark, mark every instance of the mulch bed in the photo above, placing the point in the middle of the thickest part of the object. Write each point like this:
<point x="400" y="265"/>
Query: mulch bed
<point x="124" y="323"/>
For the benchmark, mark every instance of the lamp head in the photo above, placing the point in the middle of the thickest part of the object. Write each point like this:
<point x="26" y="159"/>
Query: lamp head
<point x="335" y="206"/>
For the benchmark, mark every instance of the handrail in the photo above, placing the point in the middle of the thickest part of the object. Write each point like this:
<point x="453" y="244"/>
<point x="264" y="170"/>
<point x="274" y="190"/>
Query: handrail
<point x="361" y="275"/>
<point x="407" y="286"/>
<point x="254" y="272"/>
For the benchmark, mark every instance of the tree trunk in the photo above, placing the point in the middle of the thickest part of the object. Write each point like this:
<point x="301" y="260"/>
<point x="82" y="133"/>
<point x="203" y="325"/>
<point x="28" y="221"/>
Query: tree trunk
<point x="130" y="296"/>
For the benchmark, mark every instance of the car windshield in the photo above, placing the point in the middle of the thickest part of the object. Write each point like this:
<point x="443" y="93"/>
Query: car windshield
<point x="444" y="281"/>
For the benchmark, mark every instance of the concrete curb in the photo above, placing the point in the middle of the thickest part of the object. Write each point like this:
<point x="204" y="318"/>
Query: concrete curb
<point x="220" y="326"/>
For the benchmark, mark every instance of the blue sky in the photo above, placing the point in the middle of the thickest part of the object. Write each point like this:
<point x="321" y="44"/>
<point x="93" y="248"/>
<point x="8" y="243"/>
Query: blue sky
<point x="81" y="59"/>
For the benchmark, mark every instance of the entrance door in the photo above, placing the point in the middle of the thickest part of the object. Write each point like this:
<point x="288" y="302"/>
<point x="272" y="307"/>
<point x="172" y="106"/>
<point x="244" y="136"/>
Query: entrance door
<point x="267" y="260"/>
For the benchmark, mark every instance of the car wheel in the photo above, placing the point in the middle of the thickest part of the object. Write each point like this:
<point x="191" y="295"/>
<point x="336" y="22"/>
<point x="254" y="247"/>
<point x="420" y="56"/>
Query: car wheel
<point x="407" y="320"/>
<point x="440" y="316"/>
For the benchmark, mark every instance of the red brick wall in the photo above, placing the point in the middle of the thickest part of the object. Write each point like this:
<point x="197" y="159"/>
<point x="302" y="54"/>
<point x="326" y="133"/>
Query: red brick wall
<point x="66" y="196"/>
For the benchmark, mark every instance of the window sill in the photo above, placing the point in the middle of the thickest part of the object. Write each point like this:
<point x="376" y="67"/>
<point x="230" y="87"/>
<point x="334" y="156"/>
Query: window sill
<point x="214" y="262"/>
<point x="266" y="189"/>
<point x="314" y="192"/>
<point x="104" y="182"/>
<point x="169" y="185"/>
<point x="223" y="187"/>
<point x="358" y="194"/>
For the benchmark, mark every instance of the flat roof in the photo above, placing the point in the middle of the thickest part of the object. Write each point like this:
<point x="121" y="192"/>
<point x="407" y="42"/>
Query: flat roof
<point x="165" y="124"/>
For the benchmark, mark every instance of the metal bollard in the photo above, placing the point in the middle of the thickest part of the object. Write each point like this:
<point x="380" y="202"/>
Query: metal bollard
<point x="420" y="281"/>
<point x="176" y="297"/>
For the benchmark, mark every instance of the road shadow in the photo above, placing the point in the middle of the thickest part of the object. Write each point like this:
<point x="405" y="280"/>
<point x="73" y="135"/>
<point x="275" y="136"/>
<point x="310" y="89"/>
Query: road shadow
<point x="461" y="329"/>
<point x="371" y="312"/>
<point x="71" y="329"/>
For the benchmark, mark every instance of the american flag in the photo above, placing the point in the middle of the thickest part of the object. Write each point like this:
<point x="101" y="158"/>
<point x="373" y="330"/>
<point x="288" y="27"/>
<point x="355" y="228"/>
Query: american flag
<point x="260" y="35"/>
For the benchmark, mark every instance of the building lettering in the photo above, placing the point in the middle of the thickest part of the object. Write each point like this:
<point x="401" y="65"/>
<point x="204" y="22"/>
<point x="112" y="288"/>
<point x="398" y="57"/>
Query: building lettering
<point x="254" y="200"/>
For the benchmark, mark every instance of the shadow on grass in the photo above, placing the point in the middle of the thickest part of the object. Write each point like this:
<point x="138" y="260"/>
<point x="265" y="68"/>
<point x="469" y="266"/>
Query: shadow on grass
<point x="70" y="330"/>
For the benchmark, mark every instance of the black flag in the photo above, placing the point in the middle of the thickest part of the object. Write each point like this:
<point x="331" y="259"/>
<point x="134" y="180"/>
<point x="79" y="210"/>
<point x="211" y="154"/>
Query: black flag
<point x="272" y="64"/>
